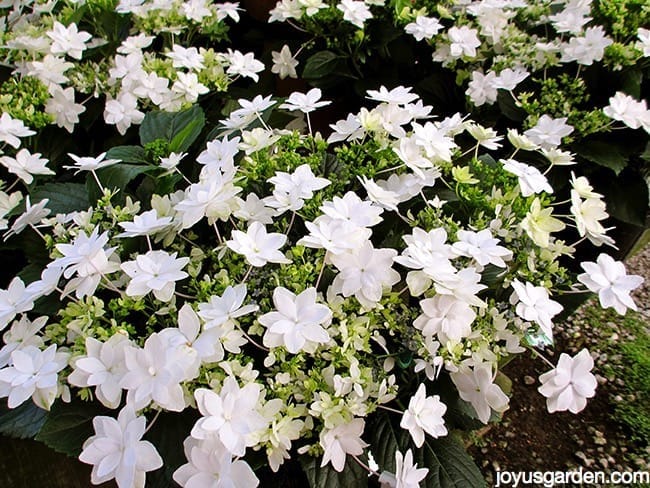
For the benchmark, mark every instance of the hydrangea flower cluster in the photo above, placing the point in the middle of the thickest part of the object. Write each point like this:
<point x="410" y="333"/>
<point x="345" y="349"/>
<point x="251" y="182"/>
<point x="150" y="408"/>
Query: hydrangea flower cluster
<point x="162" y="64"/>
<point x="292" y="291"/>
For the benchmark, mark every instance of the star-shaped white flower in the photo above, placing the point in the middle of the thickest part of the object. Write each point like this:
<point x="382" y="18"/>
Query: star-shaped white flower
<point x="305" y="102"/>
<point x="298" y="322"/>
<point x="257" y="246"/>
<point x="26" y="164"/>
<point x="534" y="305"/>
<point x="568" y="386"/>
<point x="284" y="63"/>
<point x="116" y="451"/>
<point x="424" y="414"/>
<point x="157" y="272"/>
<point x="342" y="440"/>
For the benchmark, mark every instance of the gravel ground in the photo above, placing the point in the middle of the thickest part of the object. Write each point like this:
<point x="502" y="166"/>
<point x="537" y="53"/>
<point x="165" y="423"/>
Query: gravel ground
<point x="531" y="439"/>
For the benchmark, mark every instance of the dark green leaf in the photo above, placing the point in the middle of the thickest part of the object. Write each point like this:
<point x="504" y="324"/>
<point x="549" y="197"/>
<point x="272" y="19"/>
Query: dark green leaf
<point x="63" y="197"/>
<point x="164" y="125"/>
<point x="449" y="464"/>
<point x="320" y="64"/>
<point x="509" y="108"/>
<point x="69" y="425"/>
<point x="127" y="154"/>
<point x="352" y="475"/>
<point x="23" y="421"/>
<point x="631" y="82"/>
<point x="603" y="154"/>
<point x="627" y="198"/>
<point x="183" y="139"/>
<point x="167" y="434"/>
<point x="119" y="175"/>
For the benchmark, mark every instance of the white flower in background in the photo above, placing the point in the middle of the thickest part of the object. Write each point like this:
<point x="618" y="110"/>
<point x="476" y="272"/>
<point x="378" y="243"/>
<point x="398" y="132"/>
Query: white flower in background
<point x="520" y="141"/>
<point x="291" y="190"/>
<point x="284" y="63"/>
<point x="63" y="108"/>
<point x="312" y="6"/>
<point x="349" y="129"/>
<point x="365" y="273"/>
<point x="481" y="89"/>
<point x="531" y="180"/>
<point x="643" y="44"/>
<point x="212" y="466"/>
<point x="228" y="9"/>
<point x="23" y="333"/>
<point x="476" y="386"/>
<point x="116" y="451"/>
<point x="548" y="132"/>
<point x="227" y="308"/>
<point x="351" y="208"/>
<point x="221" y="153"/>
<point x="88" y="259"/>
<point x="26" y="164"/>
<point x="423" y="27"/>
<point x="486" y="137"/>
<point x="123" y="112"/>
<point x="438" y="146"/>
<point x="337" y="236"/>
<point x="50" y="70"/>
<point x="445" y="316"/>
<point x="135" y="44"/>
<point x="297" y="324"/>
<point x="464" y="41"/>
<point x="399" y="95"/>
<point x="539" y="224"/>
<point x="213" y="198"/>
<point x="155" y="372"/>
<point x="407" y="474"/>
<point x="188" y="88"/>
<point x="253" y="210"/>
<point x="558" y="157"/>
<point x="257" y="139"/>
<point x="412" y="155"/>
<point x="12" y="129"/>
<point x="33" y="373"/>
<point x="287" y="9"/>
<point x="196" y="10"/>
<point x="588" y="48"/>
<point x="568" y="386"/>
<point x="305" y="102"/>
<point x="508" y="79"/>
<point x="464" y="285"/>
<point x="424" y="414"/>
<point x="103" y="367"/>
<point x="156" y="272"/>
<point x="384" y="198"/>
<point x="145" y="224"/>
<point x="68" y="40"/>
<point x="354" y="11"/>
<point x="631" y="112"/>
<point x="33" y="215"/>
<point x="243" y="64"/>
<point x="587" y="215"/>
<point x="608" y="278"/>
<point x="171" y="162"/>
<point x="231" y="415"/>
<point x="481" y="247"/>
<point x="573" y="17"/>
<point x="88" y="163"/>
<point x="342" y="440"/>
<point x="534" y="305"/>
<point x="258" y="246"/>
<point x="7" y="203"/>
<point x="189" y="58"/>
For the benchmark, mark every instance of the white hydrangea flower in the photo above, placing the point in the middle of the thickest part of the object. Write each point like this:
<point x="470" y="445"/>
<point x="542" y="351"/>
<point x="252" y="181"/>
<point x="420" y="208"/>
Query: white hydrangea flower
<point x="424" y="414"/>
<point x="568" y="386"/>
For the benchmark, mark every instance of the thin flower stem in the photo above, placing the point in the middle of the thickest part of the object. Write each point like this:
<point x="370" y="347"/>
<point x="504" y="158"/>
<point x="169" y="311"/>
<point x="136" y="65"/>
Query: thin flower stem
<point x="250" y="339"/>
<point x="293" y="218"/>
<point x="541" y="356"/>
<point x="387" y="170"/>
<point x="394" y="410"/>
<point x="322" y="268"/>
<point x="99" y="184"/>
<point x="149" y="242"/>
<point x="309" y="125"/>
<point x="12" y="185"/>
<point x="248" y="272"/>
<point x="187" y="180"/>
<point x="365" y="466"/>
<point x="38" y="232"/>
<point x="153" y="421"/>
<point x="183" y="295"/>
<point x="216" y="229"/>
<point x="259" y="117"/>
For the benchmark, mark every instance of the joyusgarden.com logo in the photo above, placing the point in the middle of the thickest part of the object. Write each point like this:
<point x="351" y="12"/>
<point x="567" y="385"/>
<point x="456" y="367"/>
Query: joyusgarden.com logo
<point x="566" y="478"/>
